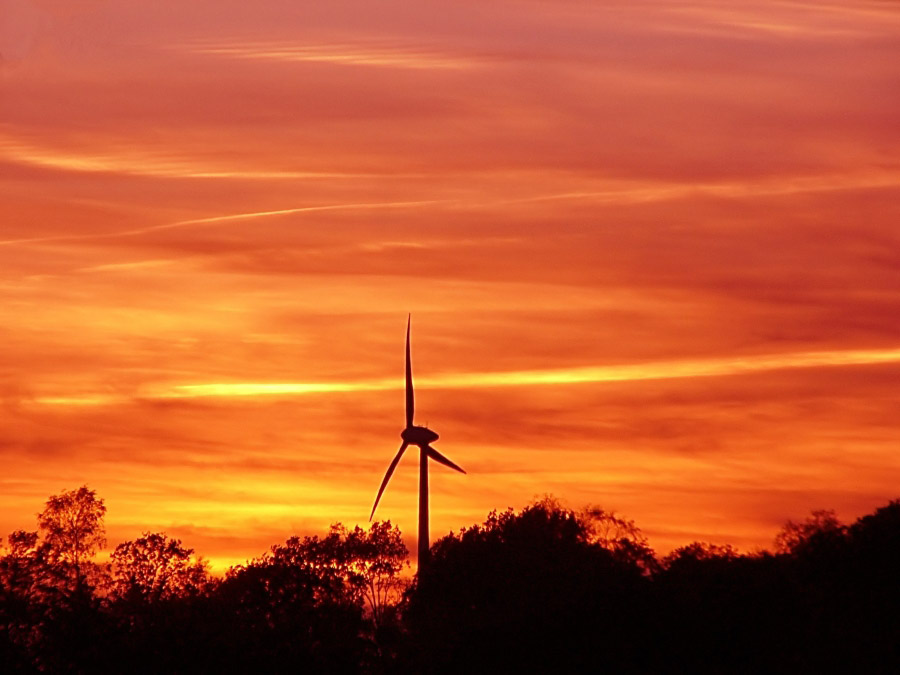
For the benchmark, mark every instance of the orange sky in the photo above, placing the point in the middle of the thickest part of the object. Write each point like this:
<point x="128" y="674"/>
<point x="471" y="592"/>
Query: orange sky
<point x="651" y="251"/>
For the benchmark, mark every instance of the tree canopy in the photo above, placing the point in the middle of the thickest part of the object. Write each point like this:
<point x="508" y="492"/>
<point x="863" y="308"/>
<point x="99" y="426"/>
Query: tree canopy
<point x="542" y="589"/>
<point x="72" y="529"/>
<point x="154" y="568"/>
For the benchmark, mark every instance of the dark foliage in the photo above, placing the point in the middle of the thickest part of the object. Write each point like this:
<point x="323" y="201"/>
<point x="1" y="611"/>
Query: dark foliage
<point x="550" y="590"/>
<point x="313" y="605"/>
<point x="524" y="591"/>
<point x="541" y="590"/>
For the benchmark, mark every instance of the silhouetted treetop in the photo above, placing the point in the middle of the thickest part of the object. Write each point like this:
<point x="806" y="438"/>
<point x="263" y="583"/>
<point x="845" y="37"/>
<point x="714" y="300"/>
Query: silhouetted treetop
<point x="819" y="528"/>
<point x="155" y="567"/>
<point x="71" y="526"/>
<point x="524" y="590"/>
<point x="622" y="537"/>
<point x="543" y="589"/>
<point x="698" y="552"/>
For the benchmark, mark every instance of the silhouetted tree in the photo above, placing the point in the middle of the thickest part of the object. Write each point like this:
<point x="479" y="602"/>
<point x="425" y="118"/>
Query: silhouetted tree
<point x="155" y="567"/>
<point x="525" y="591"/>
<point x="875" y="562"/>
<point x="723" y="612"/>
<point x="156" y="594"/>
<point x="53" y="616"/>
<point x="375" y="559"/>
<point x="23" y="597"/>
<point x="71" y="526"/>
<point x="819" y="528"/>
<point x="18" y="567"/>
<point x="541" y="590"/>
<point x="621" y="537"/>
<point x="301" y="606"/>
<point x="849" y="580"/>
<point x="696" y="553"/>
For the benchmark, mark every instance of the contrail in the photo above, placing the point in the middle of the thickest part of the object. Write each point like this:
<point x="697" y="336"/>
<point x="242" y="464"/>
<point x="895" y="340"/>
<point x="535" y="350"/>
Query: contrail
<point x="283" y="212"/>
<point x="644" y="192"/>
<point x="212" y="220"/>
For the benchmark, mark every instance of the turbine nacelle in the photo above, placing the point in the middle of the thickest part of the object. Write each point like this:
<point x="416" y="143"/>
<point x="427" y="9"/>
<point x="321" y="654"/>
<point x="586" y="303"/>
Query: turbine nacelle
<point x="420" y="436"/>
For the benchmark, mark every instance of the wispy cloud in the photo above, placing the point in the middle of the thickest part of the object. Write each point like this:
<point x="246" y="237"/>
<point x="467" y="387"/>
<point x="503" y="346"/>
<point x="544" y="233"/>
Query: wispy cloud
<point x="639" y="192"/>
<point x="637" y="372"/>
<point x="300" y="209"/>
<point x="785" y="20"/>
<point x="81" y="400"/>
<point x="349" y="54"/>
<point x="137" y="161"/>
<point x="614" y="192"/>
<point x="128" y="266"/>
<point x="215" y="220"/>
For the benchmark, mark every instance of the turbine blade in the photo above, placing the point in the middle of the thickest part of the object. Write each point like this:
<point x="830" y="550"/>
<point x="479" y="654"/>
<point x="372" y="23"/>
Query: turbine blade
<point x="438" y="457"/>
<point x="387" y="477"/>
<point x="410" y="399"/>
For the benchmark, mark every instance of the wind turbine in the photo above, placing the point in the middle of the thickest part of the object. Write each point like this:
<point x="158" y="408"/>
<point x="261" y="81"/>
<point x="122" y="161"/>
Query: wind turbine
<point x="422" y="437"/>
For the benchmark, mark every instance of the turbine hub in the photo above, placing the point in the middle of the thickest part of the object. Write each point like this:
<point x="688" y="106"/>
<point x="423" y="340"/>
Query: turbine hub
<point x="418" y="435"/>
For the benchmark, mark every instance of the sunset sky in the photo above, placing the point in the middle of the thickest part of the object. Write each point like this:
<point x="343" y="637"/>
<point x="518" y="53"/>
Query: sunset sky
<point x="651" y="250"/>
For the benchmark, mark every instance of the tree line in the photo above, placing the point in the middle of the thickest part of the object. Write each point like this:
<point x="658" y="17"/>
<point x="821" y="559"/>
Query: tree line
<point x="544" y="589"/>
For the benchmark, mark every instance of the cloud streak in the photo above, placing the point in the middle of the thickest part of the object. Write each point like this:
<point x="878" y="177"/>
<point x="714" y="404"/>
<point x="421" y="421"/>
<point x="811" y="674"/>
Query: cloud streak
<point x="139" y="162"/>
<point x="664" y="370"/>
<point x="370" y="55"/>
<point x="218" y="220"/>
